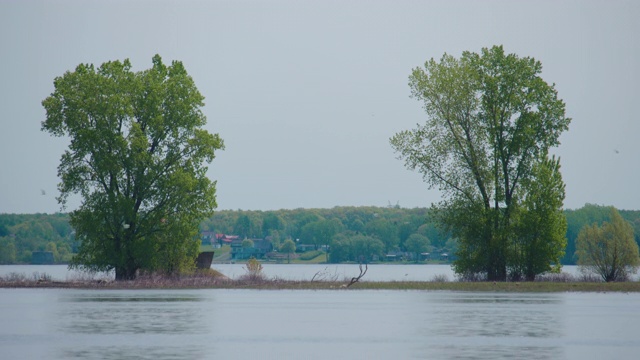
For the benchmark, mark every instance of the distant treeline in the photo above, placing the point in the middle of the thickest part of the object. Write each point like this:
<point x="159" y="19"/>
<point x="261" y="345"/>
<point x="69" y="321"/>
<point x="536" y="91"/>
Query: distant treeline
<point x="22" y="234"/>
<point x="387" y="227"/>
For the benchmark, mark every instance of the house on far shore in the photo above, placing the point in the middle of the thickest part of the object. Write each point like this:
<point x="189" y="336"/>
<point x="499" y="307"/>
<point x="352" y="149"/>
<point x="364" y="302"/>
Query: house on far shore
<point x="223" y="239"/>
<point x="208" y="238"/>
<point x="216" y="240"/>
<point x="259" y="250"/>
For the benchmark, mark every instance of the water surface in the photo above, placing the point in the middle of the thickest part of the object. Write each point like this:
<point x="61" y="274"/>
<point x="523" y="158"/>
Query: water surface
<point x="340" y="324"/>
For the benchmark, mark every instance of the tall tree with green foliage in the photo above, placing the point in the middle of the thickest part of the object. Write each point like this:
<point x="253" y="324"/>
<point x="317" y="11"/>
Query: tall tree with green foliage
<point x="540" y="236"/>
<point x="608" y="250"/>
<point x="320" y="233"/>
<point x="384" y="230"/>
<point x="137" y="158"/>
<point x="7" y="250"/>
<point x="288" y="247"/>
<point x="491" y="119"/>
<point x="243" y="226"/>
<point x="417" y="244"/>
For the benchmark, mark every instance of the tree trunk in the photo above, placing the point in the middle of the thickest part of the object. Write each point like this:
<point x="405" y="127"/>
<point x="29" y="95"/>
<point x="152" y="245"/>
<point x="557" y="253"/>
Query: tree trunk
<point x="125" y="273"/>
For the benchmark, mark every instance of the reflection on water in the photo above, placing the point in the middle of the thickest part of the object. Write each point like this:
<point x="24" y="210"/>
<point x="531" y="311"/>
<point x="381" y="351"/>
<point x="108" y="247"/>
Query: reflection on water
<point x="497" y="351"/>
<point x="497" y="315"/>
<point x="340" y="324"/>
<point x="130" y="313"/>
<point x="156" y="352"/>
<point x="130" y="324"/>
<point x="494" y="326"/>
<point x="128" y="298"/>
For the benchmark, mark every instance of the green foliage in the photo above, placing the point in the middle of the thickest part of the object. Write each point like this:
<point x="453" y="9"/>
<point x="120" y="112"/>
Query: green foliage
<point x="491" y="121"/>
<point x="417" y="244"/>
<point x="608" y="250"/>
<point x="357" y="248"/>
<point x="270" y="223"/>
<point x="254" y="270"/>
<point x="7" y="251"/>
<point x="321" y="232"/>
<point x="384" y="230"/>
<point x="25" y="233"/>
<point x="4" y="231"/>
<point x="416" y="221"/>
<point x="243" y="226"/>
<point x="136" y="157"/>
<point x="589" y="214"/>
<point x="288" y="247"/>
<point x="540" y="231"/>
<point x="247" y="243"/>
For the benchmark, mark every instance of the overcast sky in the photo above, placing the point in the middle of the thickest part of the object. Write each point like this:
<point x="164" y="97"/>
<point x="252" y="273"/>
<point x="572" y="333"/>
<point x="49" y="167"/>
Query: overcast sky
<point x="306" y="94"/>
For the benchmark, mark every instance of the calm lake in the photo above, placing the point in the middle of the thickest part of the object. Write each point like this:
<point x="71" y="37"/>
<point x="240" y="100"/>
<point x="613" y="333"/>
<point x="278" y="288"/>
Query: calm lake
<point x="339" y="324"/>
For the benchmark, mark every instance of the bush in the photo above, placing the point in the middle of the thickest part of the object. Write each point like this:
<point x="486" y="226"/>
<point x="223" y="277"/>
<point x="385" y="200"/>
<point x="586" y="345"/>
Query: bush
<point x="471" y="277"/>
<point x="254" y="271"/>
<point x="440" y="278"/>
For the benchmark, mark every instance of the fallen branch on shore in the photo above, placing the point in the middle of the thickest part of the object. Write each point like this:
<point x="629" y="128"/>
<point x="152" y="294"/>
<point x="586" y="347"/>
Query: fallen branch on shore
<point x="357" y="278"/>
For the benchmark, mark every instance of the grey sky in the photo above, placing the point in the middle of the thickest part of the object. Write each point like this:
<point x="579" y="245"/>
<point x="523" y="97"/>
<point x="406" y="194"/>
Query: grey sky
<point x="307" y="93"/>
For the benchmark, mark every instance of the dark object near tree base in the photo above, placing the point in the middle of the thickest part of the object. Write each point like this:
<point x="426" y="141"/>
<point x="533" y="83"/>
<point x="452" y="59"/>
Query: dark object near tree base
<point x="204" y="260"/>
<point x="42" y="258"/>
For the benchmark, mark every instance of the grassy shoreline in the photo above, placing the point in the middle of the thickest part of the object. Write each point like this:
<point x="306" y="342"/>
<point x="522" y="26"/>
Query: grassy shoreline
<point x="218" y="281"/>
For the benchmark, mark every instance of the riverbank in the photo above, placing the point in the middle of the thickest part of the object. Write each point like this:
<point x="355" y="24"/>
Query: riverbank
<point x="214" y="280"/>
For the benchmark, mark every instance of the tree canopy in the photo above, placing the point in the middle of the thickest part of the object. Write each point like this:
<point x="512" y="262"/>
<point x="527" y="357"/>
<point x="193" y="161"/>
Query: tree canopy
<point x="137" y="157"/>
<point x="491" y="120"/>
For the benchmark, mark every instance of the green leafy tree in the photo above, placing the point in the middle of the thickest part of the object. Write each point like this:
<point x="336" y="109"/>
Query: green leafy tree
<point x="576" y="221"/>
<point x="270" y="223"/>
<point x="365" y="248"/>
<point x="247" y="243"/>
<point x="417" y="244"/>
<point x="137" y="158"/>
<point x="608" y="250"/>
<point x="491" y="119"/>
<point x="384" y="230"/>
<point x="4" y="231"/>
<point x="321" y="232"/>
<point x="243" y="226"/>
<point x="288" y="247"/>
<point x="7" y="251"/>
<point x="341" y="249"/>
<point x="53" y="248"/>
<point x="541" y="231"/>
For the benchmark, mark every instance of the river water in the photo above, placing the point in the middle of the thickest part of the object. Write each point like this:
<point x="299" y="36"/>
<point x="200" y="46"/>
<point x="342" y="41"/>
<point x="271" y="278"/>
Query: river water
<point x="338" y="324"/>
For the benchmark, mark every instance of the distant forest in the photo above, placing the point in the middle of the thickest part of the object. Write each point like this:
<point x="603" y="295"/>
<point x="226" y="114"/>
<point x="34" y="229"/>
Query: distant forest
<point x="390" y="227"/>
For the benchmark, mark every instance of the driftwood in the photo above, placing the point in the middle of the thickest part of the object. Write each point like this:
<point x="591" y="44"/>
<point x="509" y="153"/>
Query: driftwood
<point x="325" y="275"/>
<point x="357" y="278"/>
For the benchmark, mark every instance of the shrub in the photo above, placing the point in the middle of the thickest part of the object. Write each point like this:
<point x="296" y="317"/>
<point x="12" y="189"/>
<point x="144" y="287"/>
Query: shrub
<point x="254" y="271"/>
<point x="440" y="278"/>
